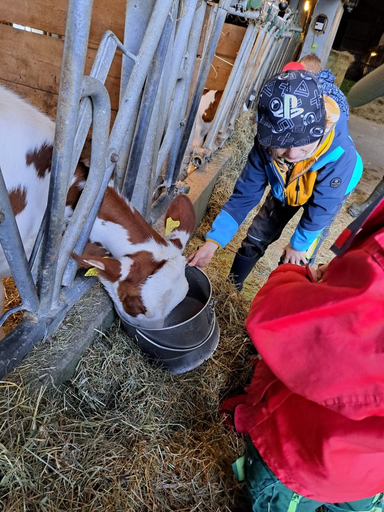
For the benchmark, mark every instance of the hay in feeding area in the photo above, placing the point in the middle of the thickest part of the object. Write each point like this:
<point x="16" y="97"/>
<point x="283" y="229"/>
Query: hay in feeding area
<point x="124" y="435"/>
<point x="12" y="299"/>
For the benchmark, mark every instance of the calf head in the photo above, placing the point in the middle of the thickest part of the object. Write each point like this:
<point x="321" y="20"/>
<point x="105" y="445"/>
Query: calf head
<point x="149" y="281"/>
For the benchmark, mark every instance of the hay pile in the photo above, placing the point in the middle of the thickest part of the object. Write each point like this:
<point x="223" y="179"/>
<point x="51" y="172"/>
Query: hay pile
<point x="123" y="435"/>
<point x="12" y="299"/>
<point x="373" y="111"/>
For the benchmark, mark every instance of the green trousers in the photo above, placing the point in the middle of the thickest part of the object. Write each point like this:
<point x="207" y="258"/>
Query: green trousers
<point x="268" y="494"/>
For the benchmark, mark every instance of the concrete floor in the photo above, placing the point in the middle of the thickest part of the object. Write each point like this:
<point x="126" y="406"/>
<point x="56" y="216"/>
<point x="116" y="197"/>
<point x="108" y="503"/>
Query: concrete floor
<point x="369" y="140"/>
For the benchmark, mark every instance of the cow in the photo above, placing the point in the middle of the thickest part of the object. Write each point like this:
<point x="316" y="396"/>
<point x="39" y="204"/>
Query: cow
<point x="206" y="112"/>
<point x="145" y="272"/>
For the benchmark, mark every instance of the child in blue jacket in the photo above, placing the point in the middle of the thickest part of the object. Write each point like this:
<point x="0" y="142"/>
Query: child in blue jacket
<point x="326" y="79"/>
<point x="304" y="152"/>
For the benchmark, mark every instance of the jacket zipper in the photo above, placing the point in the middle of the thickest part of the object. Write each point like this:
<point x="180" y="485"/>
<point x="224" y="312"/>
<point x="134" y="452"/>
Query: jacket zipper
<point x="297" y="189"/>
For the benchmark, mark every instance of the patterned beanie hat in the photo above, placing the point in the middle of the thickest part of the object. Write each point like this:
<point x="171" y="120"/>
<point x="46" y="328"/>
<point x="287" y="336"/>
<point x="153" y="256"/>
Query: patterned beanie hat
<point x="291" y="111"/>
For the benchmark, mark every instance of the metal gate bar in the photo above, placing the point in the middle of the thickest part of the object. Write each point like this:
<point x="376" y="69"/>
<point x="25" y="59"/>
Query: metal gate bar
<point x="233" y="83"/>
<point x="14" y="252"/>
<point x="75" y="48"/>
<point x="137" y="78"/>
<point x="174" y="166"/>
<point x="181" y="79"/>
<point x="80" y="225"/>
<point x="146" y="109"/>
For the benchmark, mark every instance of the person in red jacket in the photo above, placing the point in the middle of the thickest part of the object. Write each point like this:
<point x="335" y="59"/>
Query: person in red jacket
<point x="313" y="415"/>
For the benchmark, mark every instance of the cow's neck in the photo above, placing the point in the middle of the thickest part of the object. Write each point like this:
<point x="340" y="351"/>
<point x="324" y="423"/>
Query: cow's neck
<point x="121" y="229"/>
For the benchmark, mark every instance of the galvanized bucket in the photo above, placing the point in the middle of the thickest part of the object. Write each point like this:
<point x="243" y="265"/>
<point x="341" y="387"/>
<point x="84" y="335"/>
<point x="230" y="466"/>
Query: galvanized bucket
<point x="190" y="334"/>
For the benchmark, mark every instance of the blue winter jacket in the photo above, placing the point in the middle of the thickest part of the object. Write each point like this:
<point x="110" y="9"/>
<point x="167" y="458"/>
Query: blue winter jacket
<point x="338" y="171"/>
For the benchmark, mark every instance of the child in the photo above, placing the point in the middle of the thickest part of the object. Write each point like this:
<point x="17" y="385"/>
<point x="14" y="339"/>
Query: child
<point x="304" y="151"/>
<point x="314" y="411"/>
<point x="326" y="80"/>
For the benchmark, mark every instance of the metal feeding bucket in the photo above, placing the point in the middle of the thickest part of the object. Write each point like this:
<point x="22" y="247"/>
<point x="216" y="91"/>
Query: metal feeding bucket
<point x="190" y="334"/>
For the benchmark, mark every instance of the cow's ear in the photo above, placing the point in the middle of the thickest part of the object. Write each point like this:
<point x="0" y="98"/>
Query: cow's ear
<point x="107" y="268"/>
<point x="180" y="220"/>
<point x="94" y="249"/>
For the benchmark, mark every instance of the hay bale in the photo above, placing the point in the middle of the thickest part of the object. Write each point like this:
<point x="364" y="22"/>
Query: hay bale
<point x="338" y="63"/>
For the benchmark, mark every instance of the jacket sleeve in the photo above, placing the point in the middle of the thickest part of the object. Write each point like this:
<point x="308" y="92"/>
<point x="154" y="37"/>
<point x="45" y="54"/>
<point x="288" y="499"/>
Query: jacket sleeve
<point x="334" y="181"/>
<point x="248" y="191"/>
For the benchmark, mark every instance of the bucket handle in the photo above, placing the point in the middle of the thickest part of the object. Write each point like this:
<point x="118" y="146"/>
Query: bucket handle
<point x="211" y="305"/>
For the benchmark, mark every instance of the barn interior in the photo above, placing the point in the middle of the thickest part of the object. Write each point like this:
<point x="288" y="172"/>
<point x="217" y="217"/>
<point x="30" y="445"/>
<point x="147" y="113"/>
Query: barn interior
<point x="89" y="423"/>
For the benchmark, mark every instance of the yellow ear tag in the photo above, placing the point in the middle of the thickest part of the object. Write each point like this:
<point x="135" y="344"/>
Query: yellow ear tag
<point x="92" y="272"/>
<point x="170" y="225"/>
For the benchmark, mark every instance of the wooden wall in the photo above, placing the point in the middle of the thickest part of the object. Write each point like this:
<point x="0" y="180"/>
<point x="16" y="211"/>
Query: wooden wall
<point x="30" y="63"/>
<point x="226" y="52"/>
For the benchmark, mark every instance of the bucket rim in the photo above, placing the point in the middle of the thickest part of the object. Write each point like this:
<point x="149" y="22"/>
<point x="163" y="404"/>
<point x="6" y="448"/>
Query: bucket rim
<point x="159" y="329"/>
<point x="179" y="350"/>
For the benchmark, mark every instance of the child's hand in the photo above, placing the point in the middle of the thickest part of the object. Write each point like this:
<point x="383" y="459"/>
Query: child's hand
<point x="321" y="270"/>
<point x="318" y="273"/>
<point x="203" y="256"/>
<point x="290" y="255"/>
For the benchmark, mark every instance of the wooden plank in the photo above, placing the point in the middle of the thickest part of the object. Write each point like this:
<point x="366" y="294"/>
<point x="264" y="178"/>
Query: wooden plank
<point x="30" y="59"/>
<point x="44" y="101"/>
<point x="34" y="61"/>
<point x="219" y="73"/>
<point x="50" y="16"/>
<point x="230" y="40"/>
<point x="226" y="52"/>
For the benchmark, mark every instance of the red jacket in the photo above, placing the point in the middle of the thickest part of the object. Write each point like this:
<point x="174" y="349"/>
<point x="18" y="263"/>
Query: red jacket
<point x="315" y="407"/>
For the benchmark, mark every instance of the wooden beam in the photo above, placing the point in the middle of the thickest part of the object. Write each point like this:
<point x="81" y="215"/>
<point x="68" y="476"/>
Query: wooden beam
<point x="34" y="62"/>
<point x="44" y="101"/>
<point x="50" y="16"/>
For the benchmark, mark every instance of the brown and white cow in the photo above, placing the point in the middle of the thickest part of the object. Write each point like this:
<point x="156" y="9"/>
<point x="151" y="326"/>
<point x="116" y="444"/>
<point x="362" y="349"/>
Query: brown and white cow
<point x="145" y="273"/>
<point x="206" y="112"/>
<point x="208" y="106"/>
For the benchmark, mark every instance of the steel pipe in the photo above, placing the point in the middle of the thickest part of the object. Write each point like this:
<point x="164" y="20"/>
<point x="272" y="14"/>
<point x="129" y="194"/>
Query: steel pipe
<point x="81" y="217"/>
<point x="75" y="48"/>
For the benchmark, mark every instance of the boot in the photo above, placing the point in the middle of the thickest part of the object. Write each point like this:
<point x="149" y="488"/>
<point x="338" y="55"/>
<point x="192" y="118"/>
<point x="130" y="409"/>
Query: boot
<point x="241" y="267"/>
<point x="356" y="209"/>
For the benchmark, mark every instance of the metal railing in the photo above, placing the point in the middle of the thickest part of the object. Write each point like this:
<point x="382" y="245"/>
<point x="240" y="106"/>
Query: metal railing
<point x="270" y="41"/>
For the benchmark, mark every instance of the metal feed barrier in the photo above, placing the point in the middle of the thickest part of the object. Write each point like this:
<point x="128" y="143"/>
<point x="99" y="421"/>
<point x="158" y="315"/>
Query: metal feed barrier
<point x="270" y="42"/>
<point x="160" y="92"/>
